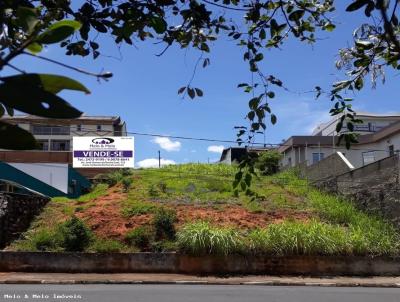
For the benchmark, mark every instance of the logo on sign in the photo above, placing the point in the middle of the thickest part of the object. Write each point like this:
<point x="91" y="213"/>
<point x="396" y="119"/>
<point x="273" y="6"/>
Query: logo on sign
<point x="102" y="141"/>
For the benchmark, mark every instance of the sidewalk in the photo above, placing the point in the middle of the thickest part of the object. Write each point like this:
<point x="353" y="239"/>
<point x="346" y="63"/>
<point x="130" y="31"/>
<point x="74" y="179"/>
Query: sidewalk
<point x="57" y="278"/>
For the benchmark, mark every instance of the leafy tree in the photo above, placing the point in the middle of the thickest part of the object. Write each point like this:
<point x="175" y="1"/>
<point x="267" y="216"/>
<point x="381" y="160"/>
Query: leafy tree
<point x="26" y="26"/>
<point x="268" y="162"/>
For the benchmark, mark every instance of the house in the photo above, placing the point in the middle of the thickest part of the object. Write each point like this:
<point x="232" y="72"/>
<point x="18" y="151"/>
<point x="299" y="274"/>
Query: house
<point x="55" y="137"/>
<point x="371" y="123"/>
<point x="235" y="154"/>
<point x="378" y="138"/>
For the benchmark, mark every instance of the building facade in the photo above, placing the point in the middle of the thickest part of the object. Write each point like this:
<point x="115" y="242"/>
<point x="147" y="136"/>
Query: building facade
<point x="379" y="139"/>
<point x="55" y="138"/>
<point x="56" y="134"/>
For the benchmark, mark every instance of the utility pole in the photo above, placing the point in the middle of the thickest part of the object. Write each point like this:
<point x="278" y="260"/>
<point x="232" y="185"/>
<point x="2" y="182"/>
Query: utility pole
<point x="159" y="159"/>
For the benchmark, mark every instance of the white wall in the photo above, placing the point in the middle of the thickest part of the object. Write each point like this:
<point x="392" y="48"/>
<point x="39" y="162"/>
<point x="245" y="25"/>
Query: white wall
<point x="55" y="175"/>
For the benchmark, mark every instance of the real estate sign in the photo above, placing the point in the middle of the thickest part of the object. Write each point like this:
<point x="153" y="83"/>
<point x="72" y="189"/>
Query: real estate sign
<point x="103" y="152"/>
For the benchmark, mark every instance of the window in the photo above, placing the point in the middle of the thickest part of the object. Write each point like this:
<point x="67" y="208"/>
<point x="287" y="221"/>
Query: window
<point x="78" y="127"/>
<point x="368" y="157"/>
<point x="317" y="156"/>
<point x="43" y="145"/>
<point x="98" y="127"/>
<point x="50" y="130"/>
<point x="59" y="145"/>
<point x="391" y="150"/>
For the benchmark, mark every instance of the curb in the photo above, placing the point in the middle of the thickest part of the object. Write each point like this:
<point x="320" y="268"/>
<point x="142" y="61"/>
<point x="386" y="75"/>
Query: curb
<point x="201" y="282"/>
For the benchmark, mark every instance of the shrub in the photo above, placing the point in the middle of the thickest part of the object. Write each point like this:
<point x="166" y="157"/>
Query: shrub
<point x="163" y="246"/>
<point x="76" y="236"/>
<point x="163" y="223"/>
<point x="200" y="238"/>
<point x="126" y="183"/>
<point x="155" y="190"/>
<point x="216" y="185"/>
<point x="126" y="172"/>
<point x="139" y="208"/>
<point x="139" y="237"/>
<point x="45" y="240"/>
<point x="106" y="246"/>
<point x="268" y="162"/>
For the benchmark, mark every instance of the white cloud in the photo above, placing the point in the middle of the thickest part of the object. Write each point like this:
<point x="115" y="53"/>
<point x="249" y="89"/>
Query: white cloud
<point x="300" y="116"/>
<point x="215" y="149"/>
<point x="167" y="144"/>
<point x="153" y="163"/>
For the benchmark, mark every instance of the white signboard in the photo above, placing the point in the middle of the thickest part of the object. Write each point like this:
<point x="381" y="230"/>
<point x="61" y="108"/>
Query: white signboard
<point x="103" y="152"/>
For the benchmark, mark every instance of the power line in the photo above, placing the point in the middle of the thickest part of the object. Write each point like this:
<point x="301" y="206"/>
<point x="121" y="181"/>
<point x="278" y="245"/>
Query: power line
<point x="272" y="145"/>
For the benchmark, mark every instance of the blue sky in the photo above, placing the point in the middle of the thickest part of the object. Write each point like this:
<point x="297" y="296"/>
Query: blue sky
<point x="144" y="88"/>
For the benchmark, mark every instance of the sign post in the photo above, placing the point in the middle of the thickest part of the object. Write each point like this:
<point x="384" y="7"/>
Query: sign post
<point x="103" y="152"/>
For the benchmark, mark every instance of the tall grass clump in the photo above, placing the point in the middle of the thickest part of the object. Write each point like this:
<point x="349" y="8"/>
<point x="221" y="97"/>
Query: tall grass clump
<point x="297" y="238"/>
<point x="201" y="238"/>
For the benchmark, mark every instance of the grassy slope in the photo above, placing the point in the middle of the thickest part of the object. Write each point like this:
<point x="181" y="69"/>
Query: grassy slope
<point x="336" y="227"/>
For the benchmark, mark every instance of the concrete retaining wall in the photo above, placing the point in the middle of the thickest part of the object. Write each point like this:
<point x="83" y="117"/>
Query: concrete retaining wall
<point x="16" y="213"/>
<point x="374" y="188"/>
<point x="176" y="263"/>
<point x="333" y="165"/>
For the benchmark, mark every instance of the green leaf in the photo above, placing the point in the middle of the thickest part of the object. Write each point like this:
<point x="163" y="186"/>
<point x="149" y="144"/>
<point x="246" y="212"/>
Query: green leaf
<point x="359" y="83"/>
<point x="16" y="138"/>
<point x="58" y="31"/>
<point x="191" y="93"/>
<point x="35" y="48"/>
<point x="35" y="100"/>
<point x="251" y="115"/>
<point x="329" y="26"/>
<point x="273" y="119"/>
<point x="204" y="47"/>
<point x="271" y="94"/>
<point x="181" y="90"/>
<point x="362" y="62"/>
<point x="274" y="28"/>
<point x="339" y="126"/>
<point x="259" y="57"/>
<point x="262" y="35"/>
<point x="199" y="92"/>
<point x="296" y="15"/>
<point x="356" y="5"/>
<point x="364" y="44"/>
<point x="49" y="82"/>
<point x="27" y="18"/>
<point x="158" y="24"/>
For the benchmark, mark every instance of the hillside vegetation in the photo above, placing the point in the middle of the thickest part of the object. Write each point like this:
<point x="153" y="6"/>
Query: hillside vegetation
<point x="193" y="209"/>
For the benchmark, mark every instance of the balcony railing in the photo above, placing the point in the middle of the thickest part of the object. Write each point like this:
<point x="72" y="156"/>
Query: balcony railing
<point x="51" y="130"/>
<point x="364" y="128"/>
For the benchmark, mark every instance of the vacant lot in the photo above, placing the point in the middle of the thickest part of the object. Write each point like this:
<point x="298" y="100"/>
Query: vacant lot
<point x="193" y="209"/>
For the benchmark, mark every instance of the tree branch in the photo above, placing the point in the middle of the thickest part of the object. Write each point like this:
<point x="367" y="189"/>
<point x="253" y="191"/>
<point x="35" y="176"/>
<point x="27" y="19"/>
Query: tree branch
<point x="388" y="24"/>
<point x="105" y="75"/>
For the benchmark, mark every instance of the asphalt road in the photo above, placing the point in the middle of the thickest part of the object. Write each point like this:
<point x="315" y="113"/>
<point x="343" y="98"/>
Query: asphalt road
<point x="194" y="293"/>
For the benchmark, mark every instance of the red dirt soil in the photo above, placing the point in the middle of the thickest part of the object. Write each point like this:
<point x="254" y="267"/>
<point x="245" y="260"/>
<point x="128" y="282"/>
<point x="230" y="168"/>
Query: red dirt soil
<point x="106" y="220"/>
